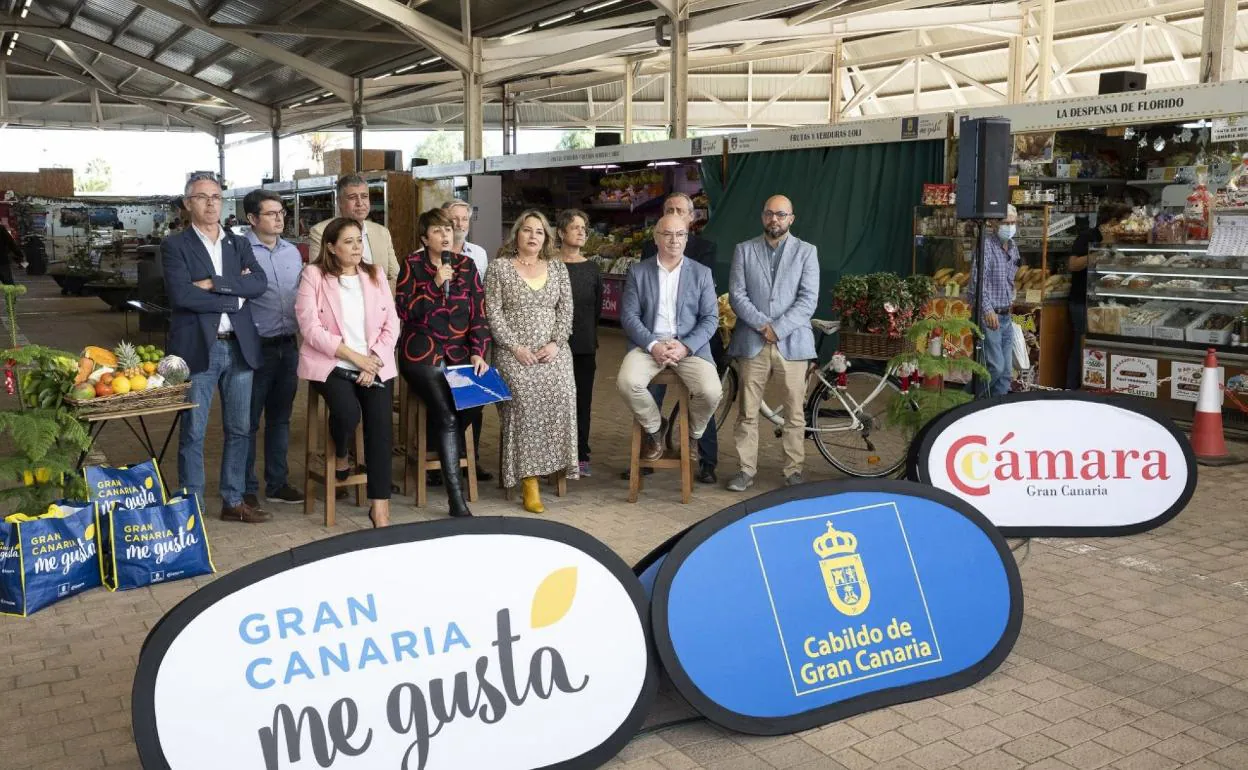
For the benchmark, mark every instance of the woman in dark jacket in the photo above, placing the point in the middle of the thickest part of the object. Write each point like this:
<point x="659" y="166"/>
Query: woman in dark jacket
<point x="442" y="306"/>
<point x="573" y="228"/>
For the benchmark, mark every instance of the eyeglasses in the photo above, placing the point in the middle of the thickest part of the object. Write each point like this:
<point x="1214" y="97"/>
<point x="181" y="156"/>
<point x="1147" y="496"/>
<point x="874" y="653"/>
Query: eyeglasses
<point x="279" y="214"/>
<point x="201" y="198"/>
<point x="677" y="236"/>
<point x="768" y="214"/>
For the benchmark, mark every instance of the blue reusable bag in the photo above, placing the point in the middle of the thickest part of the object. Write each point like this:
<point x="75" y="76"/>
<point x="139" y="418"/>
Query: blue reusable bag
<point x="126" y="486"/>
<point x="49" y="558"/>
<point x="156" y="544"/>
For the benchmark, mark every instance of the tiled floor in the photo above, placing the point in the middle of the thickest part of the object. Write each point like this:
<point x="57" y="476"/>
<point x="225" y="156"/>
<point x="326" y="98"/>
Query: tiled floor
<point x="1133" y="653"/>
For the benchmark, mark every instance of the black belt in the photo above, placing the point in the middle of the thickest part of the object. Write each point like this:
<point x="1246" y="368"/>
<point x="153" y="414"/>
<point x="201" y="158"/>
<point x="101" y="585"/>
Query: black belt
<point x="225" y="335"/>
<point x="277" y="340"/>
<point x="1002" y="310"/>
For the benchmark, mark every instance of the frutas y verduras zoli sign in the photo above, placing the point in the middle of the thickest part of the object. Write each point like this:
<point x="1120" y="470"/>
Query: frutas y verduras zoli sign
<point x="1059" y="464"/>
<point x="495" y="643"/>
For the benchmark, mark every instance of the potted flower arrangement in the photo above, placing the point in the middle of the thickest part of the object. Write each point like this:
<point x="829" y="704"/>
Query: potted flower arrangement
<point x="876" y="310"/>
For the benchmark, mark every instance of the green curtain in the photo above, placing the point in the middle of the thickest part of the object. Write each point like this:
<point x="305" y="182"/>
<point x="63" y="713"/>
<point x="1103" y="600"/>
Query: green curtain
<point x="854" y="203"/>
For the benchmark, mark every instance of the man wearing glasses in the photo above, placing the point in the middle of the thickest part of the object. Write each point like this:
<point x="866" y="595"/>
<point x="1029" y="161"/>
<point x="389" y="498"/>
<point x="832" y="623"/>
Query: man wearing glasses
<point x="274" y="384"/>
<point x="773" y="289"/>
<point x="702" y="251"/>
<point x="669" y="313"/>
<point x="210" y="274"/>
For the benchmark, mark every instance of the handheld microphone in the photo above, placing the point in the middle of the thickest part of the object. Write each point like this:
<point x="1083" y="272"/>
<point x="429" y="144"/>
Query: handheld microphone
<point x="446" y="260"/>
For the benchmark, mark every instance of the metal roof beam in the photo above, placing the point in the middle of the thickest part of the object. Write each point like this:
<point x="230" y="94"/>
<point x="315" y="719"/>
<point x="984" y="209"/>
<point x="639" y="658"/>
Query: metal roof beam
<point x="323" y="76"/>
<point x="434" y="35"/>
<point x="90" y="70"/>
<point x="258" y="112"/>
<point x="315" y="32"/>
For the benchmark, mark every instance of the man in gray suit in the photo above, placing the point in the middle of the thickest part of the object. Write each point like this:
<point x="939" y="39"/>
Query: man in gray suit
<point x="773" y="289"/>
<point x="669" y="313"/>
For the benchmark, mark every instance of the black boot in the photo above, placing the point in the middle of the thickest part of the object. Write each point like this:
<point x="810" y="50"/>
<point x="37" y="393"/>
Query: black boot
<point x="448" y="453"/>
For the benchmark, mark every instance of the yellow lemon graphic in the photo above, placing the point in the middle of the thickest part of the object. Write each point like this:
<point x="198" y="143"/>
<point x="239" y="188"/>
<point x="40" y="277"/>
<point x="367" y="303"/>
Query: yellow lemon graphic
<point x="190" y="523"/>
<point x="147" y="482"/>
<point x="90" y="533"/>
<point x="42" y="475"/>
<point x="553" y="598"/>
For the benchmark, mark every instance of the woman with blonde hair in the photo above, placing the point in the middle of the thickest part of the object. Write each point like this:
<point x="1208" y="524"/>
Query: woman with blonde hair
<point x="528" y="299"/>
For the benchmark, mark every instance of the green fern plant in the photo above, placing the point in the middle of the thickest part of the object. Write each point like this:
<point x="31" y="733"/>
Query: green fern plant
<point x="42" y="442"/>
<point x="920" y="405"/>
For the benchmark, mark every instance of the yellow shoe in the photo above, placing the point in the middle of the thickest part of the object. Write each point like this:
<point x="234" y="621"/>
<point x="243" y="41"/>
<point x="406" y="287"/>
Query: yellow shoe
<point x="532" y="496"/>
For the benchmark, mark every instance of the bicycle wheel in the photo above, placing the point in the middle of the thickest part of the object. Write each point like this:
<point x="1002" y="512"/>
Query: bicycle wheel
<point x="726" y="401"/>
<point x="877" y="448"/>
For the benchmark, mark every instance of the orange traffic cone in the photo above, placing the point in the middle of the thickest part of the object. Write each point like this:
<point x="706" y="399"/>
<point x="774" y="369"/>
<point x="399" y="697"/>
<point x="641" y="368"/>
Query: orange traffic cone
<point x="1208" y="442"/>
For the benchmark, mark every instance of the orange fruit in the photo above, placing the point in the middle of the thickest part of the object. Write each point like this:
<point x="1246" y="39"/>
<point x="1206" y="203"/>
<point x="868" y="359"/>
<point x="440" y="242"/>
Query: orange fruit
<point x="121" y="386"/>
<point x="149" y="367"/>
<point x="137" y="383"/>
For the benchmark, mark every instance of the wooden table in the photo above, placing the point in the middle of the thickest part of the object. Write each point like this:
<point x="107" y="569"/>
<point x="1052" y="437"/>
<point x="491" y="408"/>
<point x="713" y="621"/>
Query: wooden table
<point x="97" y="423"/>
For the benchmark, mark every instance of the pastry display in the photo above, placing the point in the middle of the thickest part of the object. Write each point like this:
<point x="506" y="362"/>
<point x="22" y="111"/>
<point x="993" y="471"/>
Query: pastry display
<point x="1216" y="322"/>
<point x="1182" y="317"/>
<point x="1139" y="282"/>
<point x="1109" y="281"/>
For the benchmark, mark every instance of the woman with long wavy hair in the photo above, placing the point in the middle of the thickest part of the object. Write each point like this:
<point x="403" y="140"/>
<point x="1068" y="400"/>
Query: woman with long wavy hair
<point x="528" y="299"/>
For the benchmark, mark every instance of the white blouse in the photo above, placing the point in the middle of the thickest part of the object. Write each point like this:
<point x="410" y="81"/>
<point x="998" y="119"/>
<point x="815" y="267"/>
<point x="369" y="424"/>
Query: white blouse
<point x="351" y="294"/>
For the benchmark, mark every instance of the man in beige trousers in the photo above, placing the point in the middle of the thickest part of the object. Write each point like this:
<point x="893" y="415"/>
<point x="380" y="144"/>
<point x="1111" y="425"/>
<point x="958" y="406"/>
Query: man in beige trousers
<point x="773" y="289"/>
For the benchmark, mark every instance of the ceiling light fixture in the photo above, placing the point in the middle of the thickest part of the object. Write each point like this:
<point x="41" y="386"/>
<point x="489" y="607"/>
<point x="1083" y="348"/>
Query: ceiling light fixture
<point x="383" y="75"/>
<point x="592" y="8"/>
<point x="24" y="12"/>
<point x="517" y="32"/>
<point x="431" y="60"/>
<point x="556" y="20"/>
<point x="401" y="70"/>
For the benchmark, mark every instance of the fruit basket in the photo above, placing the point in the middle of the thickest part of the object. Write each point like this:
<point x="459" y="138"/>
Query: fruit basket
<point x="144" y="399"/>
<point x="126" y="379"/>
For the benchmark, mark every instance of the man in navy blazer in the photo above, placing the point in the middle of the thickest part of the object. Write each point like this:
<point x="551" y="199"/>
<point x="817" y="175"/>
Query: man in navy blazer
<point x="669" y="313"/>
<point x="773" y="289"/>
<point x="210" y="274"/>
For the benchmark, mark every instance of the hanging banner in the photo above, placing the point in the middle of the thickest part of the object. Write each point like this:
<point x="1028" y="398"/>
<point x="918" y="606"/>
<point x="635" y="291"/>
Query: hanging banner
<point x="1017" y="459"/>
<point x="818" y="602"/>
<point x="471" y="643"/>
<point x="879" y="131"/>
<point x="672" y="149"/>
<point x="1159" y="105"/>
<point x="447" y="170"/>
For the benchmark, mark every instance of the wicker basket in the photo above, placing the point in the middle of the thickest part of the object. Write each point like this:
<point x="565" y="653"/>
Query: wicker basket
<point x="873" y="346"/>
<point x="146" y="399"/>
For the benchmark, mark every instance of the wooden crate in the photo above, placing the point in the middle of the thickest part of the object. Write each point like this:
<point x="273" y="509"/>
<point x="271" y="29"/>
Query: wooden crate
<point x="342" y="161"/>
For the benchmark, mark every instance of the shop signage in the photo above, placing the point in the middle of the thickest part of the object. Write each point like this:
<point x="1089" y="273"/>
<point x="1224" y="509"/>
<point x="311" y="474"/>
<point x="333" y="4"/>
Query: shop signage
<point x="1158" y="105"/>
<point x="612" y="295"/>
<point x="807" y="605"/>
<point x="672" y="149"/>
<point x="1095" y="368"/>
<point x="489" y="642"/>
<point x="1133" y="375"/>
<point x="879" y="131"/>
<point x="1018" y="459"/>
<point x="1233" y="129"/>
<point x="1185" y="380"/>
<point x="447" y="170"/>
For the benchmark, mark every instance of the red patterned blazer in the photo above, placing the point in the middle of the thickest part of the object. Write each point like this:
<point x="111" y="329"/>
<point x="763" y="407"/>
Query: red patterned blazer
<point x="440" y="326"/>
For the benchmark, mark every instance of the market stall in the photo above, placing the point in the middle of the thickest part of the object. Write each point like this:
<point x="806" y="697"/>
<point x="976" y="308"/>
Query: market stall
<point x="1159" y="291"/>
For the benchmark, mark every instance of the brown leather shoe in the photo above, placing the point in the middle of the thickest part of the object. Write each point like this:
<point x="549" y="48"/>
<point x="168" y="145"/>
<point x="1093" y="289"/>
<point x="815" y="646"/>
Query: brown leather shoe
<point x="244" y="513"/>
<point x="651" y="447"/>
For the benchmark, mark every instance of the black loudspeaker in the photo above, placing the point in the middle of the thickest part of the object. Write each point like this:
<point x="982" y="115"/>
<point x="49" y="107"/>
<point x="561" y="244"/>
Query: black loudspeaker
<point x="417" y="162"/>
<point x="1117" y="82"/>
<point x="984" y="150"/>
<point x="602" y="139"/>
<point x="394" y="160"/>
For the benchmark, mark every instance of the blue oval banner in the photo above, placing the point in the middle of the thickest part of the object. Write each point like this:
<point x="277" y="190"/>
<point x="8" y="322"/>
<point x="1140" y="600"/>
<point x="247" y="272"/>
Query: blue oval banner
<point x="647" y="570"/>
<point x="811" y="604"/>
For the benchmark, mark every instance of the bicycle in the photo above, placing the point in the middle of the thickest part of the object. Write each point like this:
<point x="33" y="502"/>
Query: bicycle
<point x="848" y="424"/>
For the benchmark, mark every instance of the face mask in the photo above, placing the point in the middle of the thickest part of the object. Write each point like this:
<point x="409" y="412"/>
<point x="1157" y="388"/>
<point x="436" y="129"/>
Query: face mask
<point x="1006" y="232"/>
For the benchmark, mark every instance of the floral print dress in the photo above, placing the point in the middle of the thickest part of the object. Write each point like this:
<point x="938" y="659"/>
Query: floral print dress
<point x="539" y="422"/>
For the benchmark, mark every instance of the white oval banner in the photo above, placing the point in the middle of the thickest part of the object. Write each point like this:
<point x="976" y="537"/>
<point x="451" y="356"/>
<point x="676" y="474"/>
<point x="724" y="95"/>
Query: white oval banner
<point x="506" y="644"/>
<point x="1059" y="464"/>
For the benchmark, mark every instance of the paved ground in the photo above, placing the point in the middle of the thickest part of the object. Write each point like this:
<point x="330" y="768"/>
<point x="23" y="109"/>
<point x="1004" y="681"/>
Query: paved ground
<point x="1133" y="653"/>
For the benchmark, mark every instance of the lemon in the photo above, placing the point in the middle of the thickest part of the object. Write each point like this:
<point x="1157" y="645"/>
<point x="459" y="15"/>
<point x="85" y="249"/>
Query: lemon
<point x="121" y="386"/>
<point x="137" y="383"/>
<point x="190" y="523"/>
<point x="90" y="533"/>
<point x="147" y="482"/>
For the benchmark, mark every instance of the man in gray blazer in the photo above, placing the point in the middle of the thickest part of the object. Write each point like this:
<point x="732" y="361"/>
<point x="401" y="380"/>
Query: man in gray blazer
<point x="773" y="289"/>
<point x="669" y="313"/>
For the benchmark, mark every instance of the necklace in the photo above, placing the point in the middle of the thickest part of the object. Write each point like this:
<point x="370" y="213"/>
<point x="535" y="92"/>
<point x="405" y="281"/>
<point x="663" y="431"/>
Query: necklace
<point x="526" y="264"/>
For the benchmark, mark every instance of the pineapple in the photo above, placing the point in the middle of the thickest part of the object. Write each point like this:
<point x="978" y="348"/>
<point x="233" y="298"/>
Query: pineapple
<point x="128" y="361"/>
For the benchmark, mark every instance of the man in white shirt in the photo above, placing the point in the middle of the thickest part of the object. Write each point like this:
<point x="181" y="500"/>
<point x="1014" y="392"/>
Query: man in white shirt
<point x="669" y="313"/>
<point x="461" y="217"/>
<point x="354" y="203"/>
<point x="209" y="276"/>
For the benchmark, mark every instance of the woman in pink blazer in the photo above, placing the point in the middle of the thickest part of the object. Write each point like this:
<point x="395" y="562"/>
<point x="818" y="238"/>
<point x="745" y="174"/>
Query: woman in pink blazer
<point x="349" y="328"/>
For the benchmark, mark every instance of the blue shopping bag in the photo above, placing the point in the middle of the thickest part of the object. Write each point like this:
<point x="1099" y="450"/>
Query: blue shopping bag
<point x="127" y="486"/>
<point x="47" y="558"/>
<point x="156" y="544"/>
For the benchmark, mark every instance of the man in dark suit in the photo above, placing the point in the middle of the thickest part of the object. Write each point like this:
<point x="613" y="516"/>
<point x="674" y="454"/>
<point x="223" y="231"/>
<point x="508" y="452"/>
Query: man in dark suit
<point x="210" y="274"/>
<point x="702" y="251"/>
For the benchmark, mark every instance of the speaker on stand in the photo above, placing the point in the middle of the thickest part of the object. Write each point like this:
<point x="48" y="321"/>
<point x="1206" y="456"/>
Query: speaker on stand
<point x="983" y="187"/>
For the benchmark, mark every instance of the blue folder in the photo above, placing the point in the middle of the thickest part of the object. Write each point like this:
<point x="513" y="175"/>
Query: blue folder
<point x="470" y="391"/>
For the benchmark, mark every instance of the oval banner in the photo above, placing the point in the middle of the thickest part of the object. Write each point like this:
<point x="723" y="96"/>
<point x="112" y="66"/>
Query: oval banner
<point x="815" y="603"/>
<point x="647" y="569"/>
<point x="1059" y="464"/>
<point x="504" y="643"/>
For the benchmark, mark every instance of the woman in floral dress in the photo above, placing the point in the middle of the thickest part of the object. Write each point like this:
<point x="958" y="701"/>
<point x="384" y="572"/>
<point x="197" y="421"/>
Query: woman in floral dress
<point x="528" y="300"/>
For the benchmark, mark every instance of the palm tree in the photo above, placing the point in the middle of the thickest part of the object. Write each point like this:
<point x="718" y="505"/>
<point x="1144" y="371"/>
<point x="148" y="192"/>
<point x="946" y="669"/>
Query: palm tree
<point x="318" y="143"/>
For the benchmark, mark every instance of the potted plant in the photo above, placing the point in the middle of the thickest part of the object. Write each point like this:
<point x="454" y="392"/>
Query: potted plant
<point x="923" y="368"/>
<point x="876" y="310"/>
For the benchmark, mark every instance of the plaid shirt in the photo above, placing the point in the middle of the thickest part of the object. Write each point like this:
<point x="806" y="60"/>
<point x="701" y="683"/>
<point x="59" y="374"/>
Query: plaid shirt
<point x="1002" y="263"/>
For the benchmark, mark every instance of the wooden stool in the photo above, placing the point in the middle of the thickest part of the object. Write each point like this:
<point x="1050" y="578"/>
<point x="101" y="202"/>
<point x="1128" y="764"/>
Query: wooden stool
<point x="422" y="460"/>
<point x="683" y="462"/>
<point x="318" y="466"/>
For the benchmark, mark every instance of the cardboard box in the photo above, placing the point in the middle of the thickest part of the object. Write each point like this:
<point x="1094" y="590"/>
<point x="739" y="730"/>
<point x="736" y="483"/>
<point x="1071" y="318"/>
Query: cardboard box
<point x="342" y="161"/>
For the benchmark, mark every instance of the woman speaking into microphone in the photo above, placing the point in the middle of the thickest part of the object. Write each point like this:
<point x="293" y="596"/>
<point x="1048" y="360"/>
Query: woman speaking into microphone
<point x="442" y="307"/>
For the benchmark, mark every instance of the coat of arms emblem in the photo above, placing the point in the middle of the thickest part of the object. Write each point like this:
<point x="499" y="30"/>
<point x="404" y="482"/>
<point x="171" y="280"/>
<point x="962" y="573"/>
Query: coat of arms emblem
<point x="843" y="573"/>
